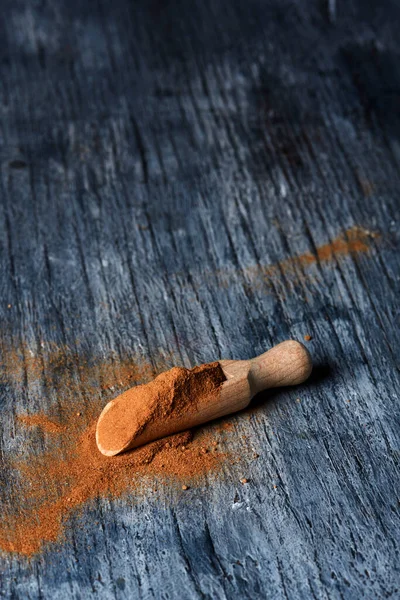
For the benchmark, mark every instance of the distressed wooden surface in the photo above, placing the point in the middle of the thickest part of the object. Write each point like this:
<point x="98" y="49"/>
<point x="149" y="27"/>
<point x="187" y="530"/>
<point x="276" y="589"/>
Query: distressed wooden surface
<point x="156" y="159"/>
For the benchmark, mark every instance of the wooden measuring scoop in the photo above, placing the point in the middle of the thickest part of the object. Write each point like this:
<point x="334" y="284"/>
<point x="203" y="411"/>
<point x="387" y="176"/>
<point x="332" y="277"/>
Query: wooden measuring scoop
<point x="288" y="363"/>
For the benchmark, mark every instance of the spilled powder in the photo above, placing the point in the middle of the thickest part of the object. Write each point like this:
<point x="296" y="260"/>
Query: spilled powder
<point x="54" y="487"/>
<point x="41" y="421"/>
<point x="352" y="241"/>
<point x="165" y="405"/>
<point x="57" y="366"/>
<point x="57" y="475"/>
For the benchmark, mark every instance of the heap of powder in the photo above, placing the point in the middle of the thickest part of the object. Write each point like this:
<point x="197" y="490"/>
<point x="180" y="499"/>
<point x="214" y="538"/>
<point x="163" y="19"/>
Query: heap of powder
<point x="148" y="412"/>
<point x="52" y="485"/>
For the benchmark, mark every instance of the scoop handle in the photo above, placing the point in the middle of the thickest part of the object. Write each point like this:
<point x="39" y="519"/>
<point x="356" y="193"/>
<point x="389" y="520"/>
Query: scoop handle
<point x="288" y="363"/>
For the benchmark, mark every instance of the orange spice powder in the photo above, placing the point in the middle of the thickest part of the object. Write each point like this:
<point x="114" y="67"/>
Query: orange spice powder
<point x="53" y="487"/>
<point x="46" y="488"/>
<point x="41" y="421"/>
<point x="148" y="412"/>
<point x="353" y="241"/>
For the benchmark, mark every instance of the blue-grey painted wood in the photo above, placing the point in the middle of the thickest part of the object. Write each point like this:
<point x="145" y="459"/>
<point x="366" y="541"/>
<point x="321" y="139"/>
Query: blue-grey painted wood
<point x="155" y="156"/>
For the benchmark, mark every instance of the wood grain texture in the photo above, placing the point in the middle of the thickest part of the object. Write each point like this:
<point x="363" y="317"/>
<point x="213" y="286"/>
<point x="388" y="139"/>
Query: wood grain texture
<point x="156" y="159"/>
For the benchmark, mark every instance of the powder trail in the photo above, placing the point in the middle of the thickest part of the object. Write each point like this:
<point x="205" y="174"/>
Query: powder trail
<point x="355" y="240"/>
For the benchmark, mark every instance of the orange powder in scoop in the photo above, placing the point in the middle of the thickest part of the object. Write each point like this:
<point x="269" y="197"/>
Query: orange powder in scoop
<point x="164" y="401"/>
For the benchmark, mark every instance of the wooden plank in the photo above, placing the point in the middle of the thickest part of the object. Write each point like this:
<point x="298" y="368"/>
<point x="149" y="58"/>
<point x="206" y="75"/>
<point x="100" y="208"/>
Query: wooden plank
<point x="166" y="170"/>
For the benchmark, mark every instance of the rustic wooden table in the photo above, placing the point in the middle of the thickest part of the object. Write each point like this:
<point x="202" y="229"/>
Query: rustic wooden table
<point x="182" y="181"/>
